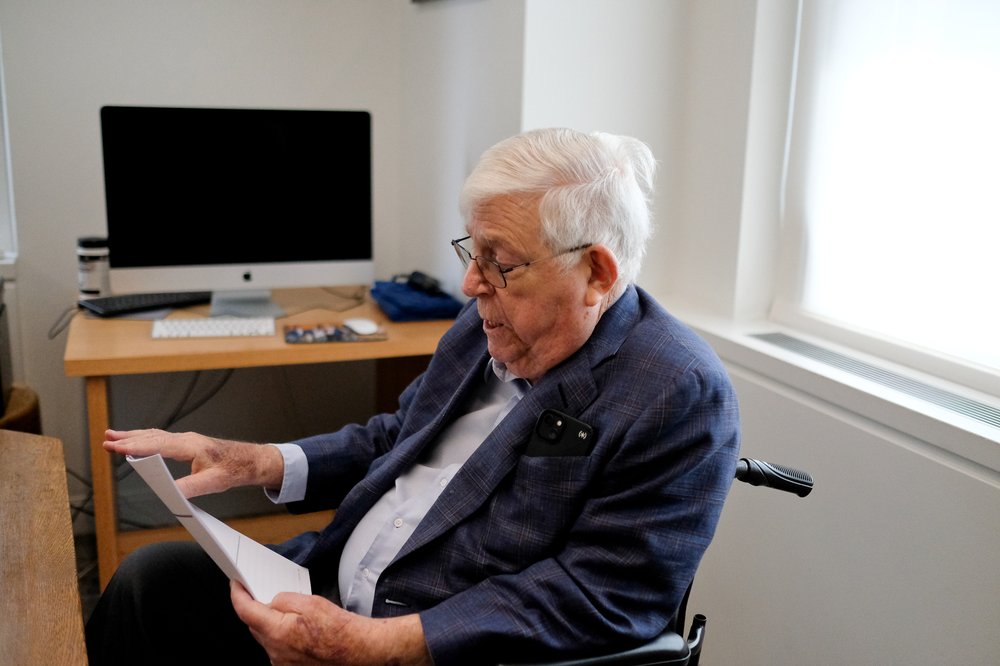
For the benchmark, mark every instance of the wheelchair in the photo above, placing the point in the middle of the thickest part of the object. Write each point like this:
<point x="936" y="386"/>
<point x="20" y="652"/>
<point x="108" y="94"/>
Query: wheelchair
<point x="670" y="648"/>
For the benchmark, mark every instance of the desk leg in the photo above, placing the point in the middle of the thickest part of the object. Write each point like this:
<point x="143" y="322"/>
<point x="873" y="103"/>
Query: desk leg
<point x="102" y="477"/>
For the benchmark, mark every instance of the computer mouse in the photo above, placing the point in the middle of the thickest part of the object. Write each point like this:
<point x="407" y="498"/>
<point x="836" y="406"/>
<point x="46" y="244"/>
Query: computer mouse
<point x="361" y="326"/>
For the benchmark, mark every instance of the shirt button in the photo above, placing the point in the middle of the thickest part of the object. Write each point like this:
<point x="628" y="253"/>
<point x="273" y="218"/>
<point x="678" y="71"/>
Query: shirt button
<point x="366" y="572"/>
<point x="398" y="522"/>
<point x="444" y="482"/>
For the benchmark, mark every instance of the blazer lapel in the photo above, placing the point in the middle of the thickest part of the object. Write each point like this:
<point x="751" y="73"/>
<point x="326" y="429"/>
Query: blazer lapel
<point x="377" y="482"/>
<point x="408" y="451"/>
<point x="569" y="388"/>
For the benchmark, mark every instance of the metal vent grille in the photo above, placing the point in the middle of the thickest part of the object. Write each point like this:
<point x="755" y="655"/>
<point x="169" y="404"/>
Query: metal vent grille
<point x="956" y="403"/>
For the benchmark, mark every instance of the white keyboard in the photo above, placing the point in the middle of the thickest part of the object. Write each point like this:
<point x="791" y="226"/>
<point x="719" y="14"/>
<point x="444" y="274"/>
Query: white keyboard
<point x="213" y="327"/>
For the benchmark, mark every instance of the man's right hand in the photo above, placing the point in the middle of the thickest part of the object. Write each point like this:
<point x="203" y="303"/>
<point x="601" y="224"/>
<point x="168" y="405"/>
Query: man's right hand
<point x="216" y="464"/>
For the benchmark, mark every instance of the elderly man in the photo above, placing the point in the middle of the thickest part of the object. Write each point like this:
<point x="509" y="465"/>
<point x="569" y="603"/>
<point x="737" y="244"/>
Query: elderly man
<point x="546" y="489"/>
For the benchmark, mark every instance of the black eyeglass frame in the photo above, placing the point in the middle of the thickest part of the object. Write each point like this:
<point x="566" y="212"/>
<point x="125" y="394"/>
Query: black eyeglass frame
<point x="466" y="258"/>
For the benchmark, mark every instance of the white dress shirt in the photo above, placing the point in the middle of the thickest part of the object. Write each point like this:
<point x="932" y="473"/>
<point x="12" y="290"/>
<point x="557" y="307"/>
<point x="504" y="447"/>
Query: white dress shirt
<point x="380" y="535"/>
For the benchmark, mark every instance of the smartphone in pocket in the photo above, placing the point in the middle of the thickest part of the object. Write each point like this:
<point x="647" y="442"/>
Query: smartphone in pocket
<point x="557" y="434"/>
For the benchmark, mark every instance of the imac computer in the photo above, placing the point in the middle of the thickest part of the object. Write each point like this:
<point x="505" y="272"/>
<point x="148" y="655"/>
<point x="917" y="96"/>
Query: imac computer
<point x="237" y="201"/>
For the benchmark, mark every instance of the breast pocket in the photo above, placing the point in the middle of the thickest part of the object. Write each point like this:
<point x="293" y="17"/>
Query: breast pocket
<point x="534" y="509"/>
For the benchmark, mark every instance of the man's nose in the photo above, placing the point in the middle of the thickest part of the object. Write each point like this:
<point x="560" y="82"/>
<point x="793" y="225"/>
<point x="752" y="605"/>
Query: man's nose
<point x="474" y="284"/>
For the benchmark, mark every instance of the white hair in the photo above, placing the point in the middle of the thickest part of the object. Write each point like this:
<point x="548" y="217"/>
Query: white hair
<point x="594" y="188"/>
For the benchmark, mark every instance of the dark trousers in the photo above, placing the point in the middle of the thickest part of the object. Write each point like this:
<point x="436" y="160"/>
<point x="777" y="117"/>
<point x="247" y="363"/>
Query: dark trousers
<point x="168" y="603"/>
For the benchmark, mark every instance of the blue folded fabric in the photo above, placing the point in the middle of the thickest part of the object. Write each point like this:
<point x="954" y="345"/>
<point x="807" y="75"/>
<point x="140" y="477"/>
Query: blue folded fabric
<point x="401" y="302"/>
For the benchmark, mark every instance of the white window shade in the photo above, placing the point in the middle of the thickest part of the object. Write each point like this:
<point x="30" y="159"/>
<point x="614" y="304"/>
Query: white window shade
<point x="893" y="176"/>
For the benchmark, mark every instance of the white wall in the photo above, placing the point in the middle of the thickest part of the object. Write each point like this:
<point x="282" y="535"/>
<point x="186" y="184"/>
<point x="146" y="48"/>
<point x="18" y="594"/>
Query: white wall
<point x="462" y="70"/>
<point x="446" y="74"/>
<point x="612" y="66"/>
<point x="64" y="60"/>
<point x="891" y="559"/>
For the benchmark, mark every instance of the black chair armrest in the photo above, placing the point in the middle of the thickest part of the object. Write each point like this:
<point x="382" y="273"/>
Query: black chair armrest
<point x="669" y="649"/>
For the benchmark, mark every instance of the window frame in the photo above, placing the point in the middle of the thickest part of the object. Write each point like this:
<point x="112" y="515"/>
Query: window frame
<point x="8" y="235"/>
<point x="786" y="307"/>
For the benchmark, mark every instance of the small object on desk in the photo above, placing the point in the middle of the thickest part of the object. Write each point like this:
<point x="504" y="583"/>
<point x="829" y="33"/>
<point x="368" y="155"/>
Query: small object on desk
<point x="298" y="334"/>
<point x="112" y="306"/>
<point x="213" y="327"/>
<point x="402" y="302"/>
<point x="361" y="326"/>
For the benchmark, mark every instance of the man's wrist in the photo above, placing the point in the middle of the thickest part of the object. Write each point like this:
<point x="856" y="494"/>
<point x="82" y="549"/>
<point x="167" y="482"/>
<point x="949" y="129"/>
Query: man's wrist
<point x="295" y="475"/>
<point x="403" y="641"/>
<point x="270" y="467"/>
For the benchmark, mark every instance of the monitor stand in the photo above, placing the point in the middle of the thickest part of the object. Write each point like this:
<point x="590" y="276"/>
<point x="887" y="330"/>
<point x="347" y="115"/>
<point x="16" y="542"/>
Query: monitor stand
<point x="245" y="303"/>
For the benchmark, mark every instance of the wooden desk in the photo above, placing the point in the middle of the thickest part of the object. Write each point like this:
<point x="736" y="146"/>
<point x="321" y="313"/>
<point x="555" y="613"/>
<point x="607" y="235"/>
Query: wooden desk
<point x="97" y="349"/>
<point x="41" y="621"/>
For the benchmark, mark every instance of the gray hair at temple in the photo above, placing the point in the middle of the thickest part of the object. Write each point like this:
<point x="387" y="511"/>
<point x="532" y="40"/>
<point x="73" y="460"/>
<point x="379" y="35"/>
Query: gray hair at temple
<point x="595" y="188"/>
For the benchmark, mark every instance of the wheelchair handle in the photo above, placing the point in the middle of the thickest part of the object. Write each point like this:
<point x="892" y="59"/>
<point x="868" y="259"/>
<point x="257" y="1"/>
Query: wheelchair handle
<point x="760" y="473"/>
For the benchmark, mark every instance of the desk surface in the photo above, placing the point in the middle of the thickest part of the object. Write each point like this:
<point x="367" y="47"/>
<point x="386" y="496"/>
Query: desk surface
<point x="41" y="620"/>
<point x="98" y="349"/>
<point x="119" y="346"/>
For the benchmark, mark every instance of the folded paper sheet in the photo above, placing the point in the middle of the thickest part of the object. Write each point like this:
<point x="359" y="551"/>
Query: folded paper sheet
<point x="263" y="572"/>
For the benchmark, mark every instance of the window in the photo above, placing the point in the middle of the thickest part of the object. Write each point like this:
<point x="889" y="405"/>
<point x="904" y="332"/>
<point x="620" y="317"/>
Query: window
<point x="8" y="248"/>
<point x="892" y="187"/>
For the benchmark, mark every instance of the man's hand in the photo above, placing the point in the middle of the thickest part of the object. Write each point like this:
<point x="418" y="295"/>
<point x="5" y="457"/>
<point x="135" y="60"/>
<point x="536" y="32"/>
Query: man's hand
<point x="216" y="464"/>
<point x="303" y="629"/>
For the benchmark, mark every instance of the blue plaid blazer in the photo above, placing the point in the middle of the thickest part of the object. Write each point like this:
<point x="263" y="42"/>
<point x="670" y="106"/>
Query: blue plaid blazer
<point x="527" y="557"/>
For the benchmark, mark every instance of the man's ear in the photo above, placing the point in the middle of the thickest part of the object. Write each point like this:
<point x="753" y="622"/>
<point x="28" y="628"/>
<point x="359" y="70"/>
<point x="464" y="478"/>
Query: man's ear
<point x="603" y="273"/>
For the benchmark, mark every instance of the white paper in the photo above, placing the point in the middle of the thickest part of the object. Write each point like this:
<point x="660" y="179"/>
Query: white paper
<point x="263" y="572"/>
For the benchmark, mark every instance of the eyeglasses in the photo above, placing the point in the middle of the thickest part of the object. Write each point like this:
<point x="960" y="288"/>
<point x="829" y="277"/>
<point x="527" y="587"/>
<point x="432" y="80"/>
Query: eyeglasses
<point x="493" y="272"/>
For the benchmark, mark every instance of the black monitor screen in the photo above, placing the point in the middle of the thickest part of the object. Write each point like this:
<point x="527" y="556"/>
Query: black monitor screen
<point x="190" y="186"/>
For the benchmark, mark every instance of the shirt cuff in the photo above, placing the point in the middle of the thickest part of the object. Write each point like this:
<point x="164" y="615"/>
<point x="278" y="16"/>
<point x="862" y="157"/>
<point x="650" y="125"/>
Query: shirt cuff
<point x="293" y="483"/>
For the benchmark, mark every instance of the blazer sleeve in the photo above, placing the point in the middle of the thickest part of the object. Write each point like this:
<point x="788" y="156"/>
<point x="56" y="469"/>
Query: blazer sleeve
<point x="630" y="555"/>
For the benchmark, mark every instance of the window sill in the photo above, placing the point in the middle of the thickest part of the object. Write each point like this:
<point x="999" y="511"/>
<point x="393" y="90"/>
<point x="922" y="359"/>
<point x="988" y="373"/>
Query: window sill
<point x="8" y="265"/>
<point x="948" y="433"/>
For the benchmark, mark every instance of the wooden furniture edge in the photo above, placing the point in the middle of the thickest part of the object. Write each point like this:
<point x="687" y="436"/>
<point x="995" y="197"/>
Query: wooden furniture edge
<point x="266" y="529"/>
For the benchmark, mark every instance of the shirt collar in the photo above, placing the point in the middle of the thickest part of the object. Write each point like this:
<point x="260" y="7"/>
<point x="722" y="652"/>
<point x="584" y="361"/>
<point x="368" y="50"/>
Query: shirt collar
<point x="503" y="373"/>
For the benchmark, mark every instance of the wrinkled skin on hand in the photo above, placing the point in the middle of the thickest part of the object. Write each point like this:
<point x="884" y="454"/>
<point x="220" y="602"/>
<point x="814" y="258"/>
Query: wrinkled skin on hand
<point x="216" y="464"/>
<point x="302" y="629"/>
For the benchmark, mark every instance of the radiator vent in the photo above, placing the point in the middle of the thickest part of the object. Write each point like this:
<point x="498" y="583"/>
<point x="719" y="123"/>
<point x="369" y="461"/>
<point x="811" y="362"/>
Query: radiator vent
<point x="954" y="402"/>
